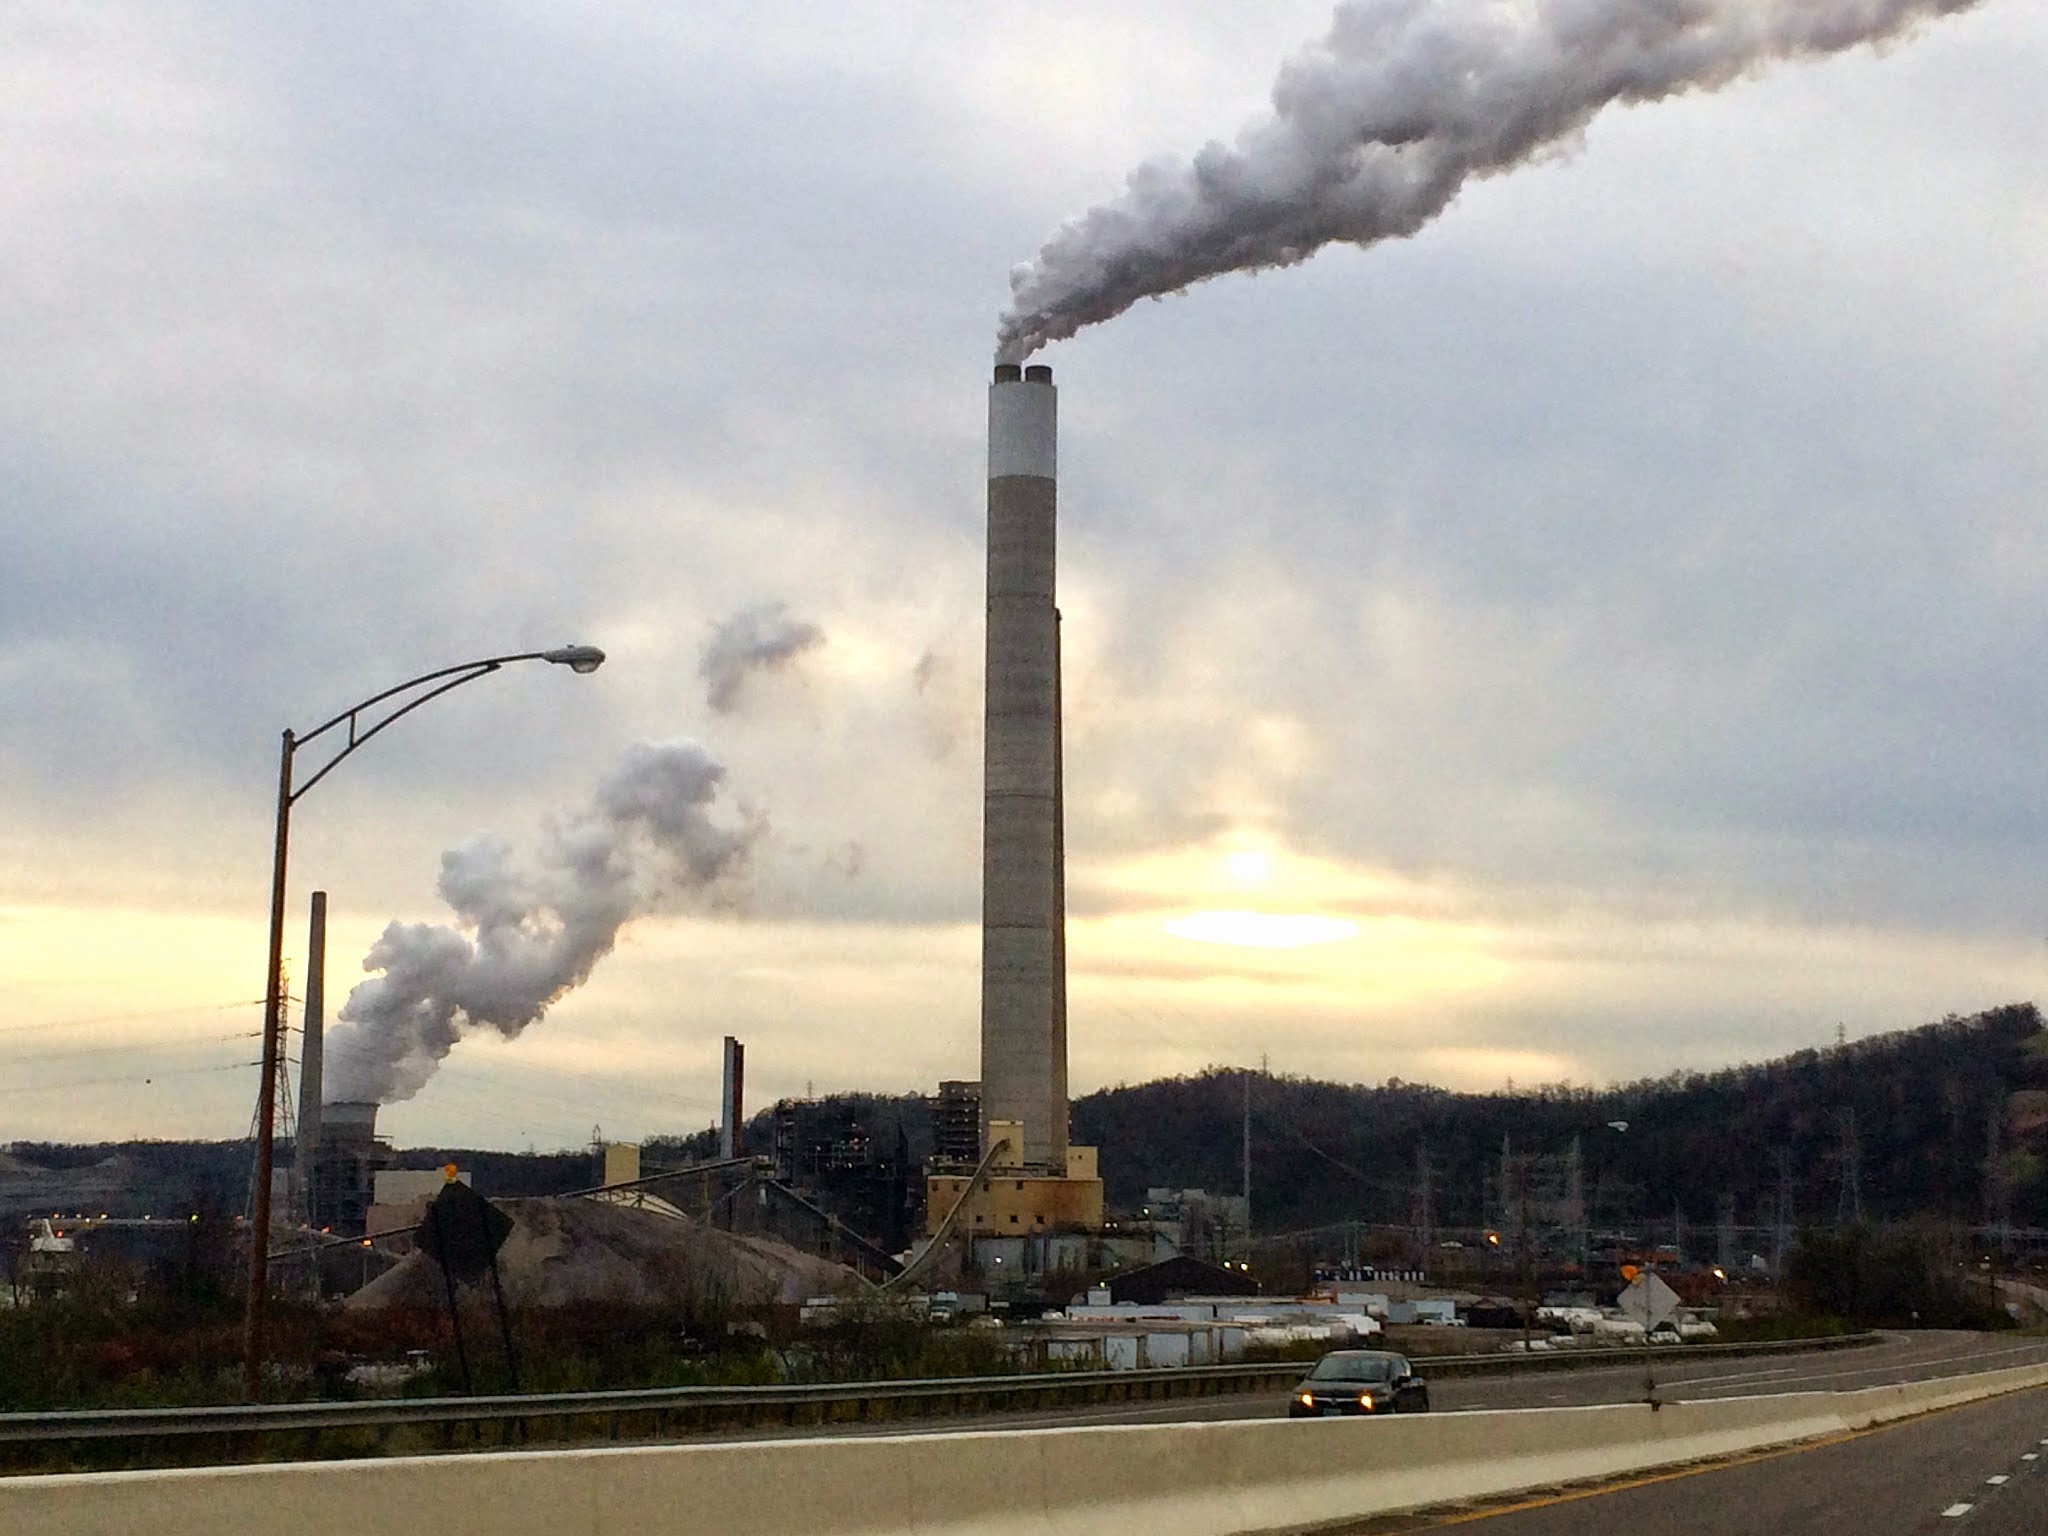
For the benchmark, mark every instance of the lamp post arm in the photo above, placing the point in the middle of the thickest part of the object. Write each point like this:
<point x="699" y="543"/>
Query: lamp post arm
<point x="455" y="676"/>
<point x="359" y="734"/>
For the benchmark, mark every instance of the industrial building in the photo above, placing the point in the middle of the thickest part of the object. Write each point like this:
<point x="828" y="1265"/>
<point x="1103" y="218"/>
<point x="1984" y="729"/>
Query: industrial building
<point x="341" y="1167"/>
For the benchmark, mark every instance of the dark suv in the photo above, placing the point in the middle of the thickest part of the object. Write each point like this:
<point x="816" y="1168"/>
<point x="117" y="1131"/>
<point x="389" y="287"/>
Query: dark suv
<point x="1359" y="1381"/>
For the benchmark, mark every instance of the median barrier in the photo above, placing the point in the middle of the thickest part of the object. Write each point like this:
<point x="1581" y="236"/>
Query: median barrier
<point x="1208" y="1479"/>
<point x="1880" y="1405"/>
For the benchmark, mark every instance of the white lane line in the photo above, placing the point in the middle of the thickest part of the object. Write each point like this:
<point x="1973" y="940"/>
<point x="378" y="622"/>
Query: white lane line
<point x="1955" y="1510"/>
<point x="1996" y="1482"/>
<point x="2030" y="1456"/>
<point x="1759" y="1376"/>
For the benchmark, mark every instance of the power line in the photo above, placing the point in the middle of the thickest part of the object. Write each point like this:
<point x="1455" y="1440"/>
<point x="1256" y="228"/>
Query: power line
<point x="131" y="1079"/>
<point x="137" y="1047"/>
<point x="127" y="1018"/>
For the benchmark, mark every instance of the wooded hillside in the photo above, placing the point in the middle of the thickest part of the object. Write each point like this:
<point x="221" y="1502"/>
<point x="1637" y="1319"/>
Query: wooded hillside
<point x="1942" y="1119"/>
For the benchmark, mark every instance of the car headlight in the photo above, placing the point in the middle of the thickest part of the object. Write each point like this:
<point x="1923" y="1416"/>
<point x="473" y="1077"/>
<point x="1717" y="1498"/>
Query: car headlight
<point x="1365" y="1401"/>
<point x="1306" y="1399"/>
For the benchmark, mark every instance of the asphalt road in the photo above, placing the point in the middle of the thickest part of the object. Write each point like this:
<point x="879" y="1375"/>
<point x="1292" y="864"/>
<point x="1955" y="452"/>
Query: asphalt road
<point x="1679" y="1376"/>
<point x="1980" y="1470"/>
<point x="1901" y="1357"/>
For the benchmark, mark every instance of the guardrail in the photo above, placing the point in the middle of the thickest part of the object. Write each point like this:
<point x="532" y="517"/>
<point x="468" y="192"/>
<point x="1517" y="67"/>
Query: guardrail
<point x="654" y="1412"/>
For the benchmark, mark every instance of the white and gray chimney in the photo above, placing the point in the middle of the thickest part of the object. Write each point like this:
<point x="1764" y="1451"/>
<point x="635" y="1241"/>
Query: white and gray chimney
<point x="1023" y="875"/>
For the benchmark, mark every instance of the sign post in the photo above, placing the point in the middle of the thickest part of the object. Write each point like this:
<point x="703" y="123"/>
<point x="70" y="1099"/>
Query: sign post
<point x="463" y="1233"/>
<point x="1649" y="1301"/>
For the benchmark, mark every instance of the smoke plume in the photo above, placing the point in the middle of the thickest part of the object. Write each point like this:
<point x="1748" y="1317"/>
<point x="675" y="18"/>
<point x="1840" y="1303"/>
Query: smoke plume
<point x="761" y="639"/>
<point x="1374" y="130"/>
<point x="524" y="936"/>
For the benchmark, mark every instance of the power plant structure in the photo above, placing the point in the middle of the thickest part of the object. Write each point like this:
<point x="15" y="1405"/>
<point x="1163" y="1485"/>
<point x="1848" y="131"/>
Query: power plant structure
<point x="1007" y="1168"/>
<point x="1046" y="1182"/>
<point x="1023" y="876"/>
<point x="336" y="1152"/>
<point x="343" y="1166"/>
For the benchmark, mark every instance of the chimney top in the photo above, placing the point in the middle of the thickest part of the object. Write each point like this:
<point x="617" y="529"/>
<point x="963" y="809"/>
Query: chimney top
<point x="1009" y="373"/>
<point x="1038" y="373"/>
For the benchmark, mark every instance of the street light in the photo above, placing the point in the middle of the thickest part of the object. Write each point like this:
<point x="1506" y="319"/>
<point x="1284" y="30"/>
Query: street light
<point x="577" y="658"/>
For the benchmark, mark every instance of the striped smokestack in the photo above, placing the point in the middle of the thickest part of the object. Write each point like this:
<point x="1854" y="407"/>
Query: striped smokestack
<point x="1023" y="954"/>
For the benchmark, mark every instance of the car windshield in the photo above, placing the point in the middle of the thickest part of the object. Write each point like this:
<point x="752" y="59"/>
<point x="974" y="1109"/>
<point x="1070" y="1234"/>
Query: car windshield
<point x="1353" y="1368"/>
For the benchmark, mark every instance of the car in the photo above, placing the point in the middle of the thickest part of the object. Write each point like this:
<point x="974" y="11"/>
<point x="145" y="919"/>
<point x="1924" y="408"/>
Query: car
<point x="1359" y="1381"/>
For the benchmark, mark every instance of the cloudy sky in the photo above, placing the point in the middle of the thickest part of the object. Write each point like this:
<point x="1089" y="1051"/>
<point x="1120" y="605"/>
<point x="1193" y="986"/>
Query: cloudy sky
<point x="1598" y="636"/>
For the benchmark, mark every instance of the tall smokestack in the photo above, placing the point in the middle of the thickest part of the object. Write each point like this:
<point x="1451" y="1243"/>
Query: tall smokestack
<point x="731" y="1099"/>
<point x="311" y="1046"/>
<point x="1023" y="961"/>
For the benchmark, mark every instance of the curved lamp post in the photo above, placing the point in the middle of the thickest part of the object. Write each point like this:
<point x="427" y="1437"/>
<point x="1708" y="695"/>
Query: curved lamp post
<point x="363" y="720"/>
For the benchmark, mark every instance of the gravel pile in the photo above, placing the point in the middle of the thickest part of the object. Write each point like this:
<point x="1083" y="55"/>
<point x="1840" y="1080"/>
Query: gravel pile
<point x="566" y="1251"/>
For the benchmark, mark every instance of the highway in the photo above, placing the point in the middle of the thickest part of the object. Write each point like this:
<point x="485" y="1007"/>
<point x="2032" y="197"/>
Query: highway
<point x="1900" y="1357"/>
<point x="1980" y="1470"/>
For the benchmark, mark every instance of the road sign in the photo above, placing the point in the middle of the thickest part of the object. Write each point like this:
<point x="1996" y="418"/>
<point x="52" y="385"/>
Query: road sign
<point x="1649" y="1301"/>
<point x="463" y="1232"/>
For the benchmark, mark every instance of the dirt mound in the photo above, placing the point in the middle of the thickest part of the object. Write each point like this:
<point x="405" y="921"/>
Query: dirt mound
<point x="565" y="1251"/>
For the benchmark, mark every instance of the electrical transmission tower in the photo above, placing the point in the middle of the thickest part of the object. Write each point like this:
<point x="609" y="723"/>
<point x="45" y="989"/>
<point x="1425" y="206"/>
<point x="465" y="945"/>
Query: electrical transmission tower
<point x="1507" y="1185"/>
<point x="1997" y="1184"/>
<point x="285" y="1107"/>
<point x="1422" y="1210"/>
<point x="1781" y="1235"/>
<point x="1575" y="1203"/>
<point x="1849" y="1200"/>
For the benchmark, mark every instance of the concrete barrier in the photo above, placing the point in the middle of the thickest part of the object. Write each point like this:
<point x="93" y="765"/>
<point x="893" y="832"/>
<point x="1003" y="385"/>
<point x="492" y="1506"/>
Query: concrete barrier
<point x="1880" y="1405"/>
<point x="1187" y="1479"/>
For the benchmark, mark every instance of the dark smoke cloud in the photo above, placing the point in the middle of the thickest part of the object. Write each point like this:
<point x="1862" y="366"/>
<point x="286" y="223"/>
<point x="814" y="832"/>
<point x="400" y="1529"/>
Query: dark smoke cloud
<point x="524" y="936"/>
<point x="762" y="639"/>
<point x="1375" y="130"/>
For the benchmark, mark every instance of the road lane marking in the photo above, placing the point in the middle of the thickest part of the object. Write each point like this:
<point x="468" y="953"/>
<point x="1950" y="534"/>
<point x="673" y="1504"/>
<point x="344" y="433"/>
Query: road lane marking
<point x="1996" y="1482"/>
<point x="1752" y="1377"/>
<point x="1672" y="1475"/>
<point x="2031" y="1456"/>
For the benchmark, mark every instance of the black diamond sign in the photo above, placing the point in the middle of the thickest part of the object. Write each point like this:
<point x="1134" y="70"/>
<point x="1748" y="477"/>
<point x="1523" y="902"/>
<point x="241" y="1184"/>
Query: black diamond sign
<point x="462" y="1231"/>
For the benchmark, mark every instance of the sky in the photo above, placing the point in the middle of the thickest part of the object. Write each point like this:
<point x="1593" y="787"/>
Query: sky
<point x="1597" y="637"/>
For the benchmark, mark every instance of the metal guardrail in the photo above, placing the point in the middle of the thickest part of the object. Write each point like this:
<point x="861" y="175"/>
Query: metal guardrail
<point x="754" y="1403"/>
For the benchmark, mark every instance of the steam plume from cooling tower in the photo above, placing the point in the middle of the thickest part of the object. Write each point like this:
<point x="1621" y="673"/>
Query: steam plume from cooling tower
<point x="760" y="639"/>
<point x="1374" y="131"/>
<point x="524" y="936"/>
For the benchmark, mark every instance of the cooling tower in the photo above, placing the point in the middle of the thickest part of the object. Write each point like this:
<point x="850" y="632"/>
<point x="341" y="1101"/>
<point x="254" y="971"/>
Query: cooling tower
<point x="1023" y="958"/>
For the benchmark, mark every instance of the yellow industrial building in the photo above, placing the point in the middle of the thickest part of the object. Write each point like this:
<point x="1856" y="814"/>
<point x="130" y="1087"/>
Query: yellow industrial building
<point x="1005" y="1197"/>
